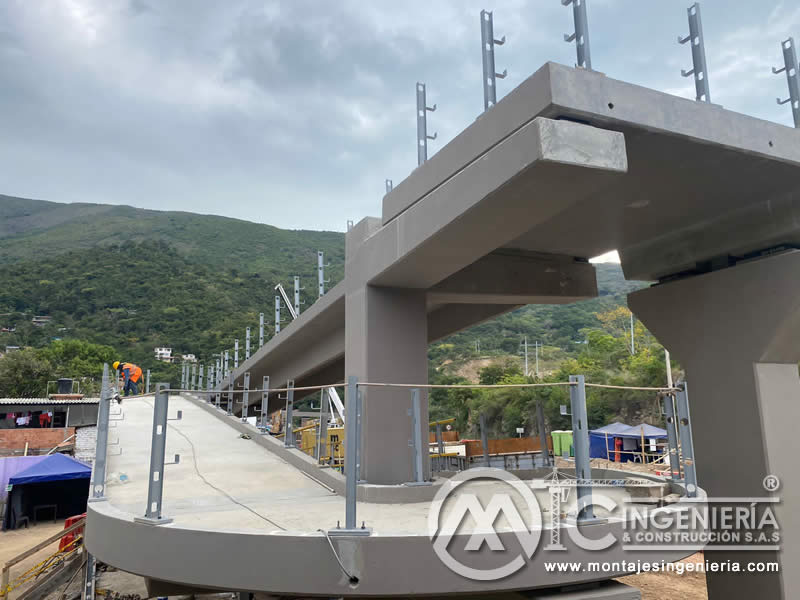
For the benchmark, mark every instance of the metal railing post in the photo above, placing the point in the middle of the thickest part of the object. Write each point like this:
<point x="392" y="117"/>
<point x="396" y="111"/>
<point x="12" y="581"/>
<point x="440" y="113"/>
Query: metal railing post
<point x="246" y="397"/>
<point x="230" y="393"/>
<point x="236" y="354"/>
<point x="542" y="434"/>
<point x="101" y="450"/>
<point x="247" y="344"/>
<point x="147" y="382"/>
<point x="490" y="76"/>
<point x="416" y="437"/>
<point x="158" y="447"/>
<point x="687" y="444"/>
<point x="288" y="437"/>
<point x="790" y="67"/>
<point x="698" y="45"/>
<point x="264" y="401"/>
<point x="580" y="440"/>
<point x="359" y="423"/>
<point x="422" y="124"/>
<point x="351" y="441"/>
<point x="210" y="383"/>
<point x="322" y="436"/>
<point x="581" y="35"/>
<point x="89" y="578"/>
<point x="484" y="440"/>
<point x="351" y="454"/>
<point x="672" y="436"/>
<point x="218" y="386"/>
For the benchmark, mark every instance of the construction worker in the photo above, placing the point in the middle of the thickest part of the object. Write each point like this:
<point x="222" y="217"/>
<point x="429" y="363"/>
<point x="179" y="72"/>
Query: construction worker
<point x="132" y="374"/>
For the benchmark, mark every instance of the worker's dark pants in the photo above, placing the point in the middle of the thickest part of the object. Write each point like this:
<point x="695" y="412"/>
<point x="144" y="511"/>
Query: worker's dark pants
<point x="131" y="386"/>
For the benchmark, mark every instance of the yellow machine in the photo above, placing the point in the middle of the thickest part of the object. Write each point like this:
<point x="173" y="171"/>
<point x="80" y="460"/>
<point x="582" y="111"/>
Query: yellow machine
<point x="331" y="450"/>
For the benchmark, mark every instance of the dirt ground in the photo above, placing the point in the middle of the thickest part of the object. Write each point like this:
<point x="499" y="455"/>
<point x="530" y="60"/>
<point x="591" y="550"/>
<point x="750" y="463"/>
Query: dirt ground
<point x="671" y="586"/>
<point x="15" y="542"/>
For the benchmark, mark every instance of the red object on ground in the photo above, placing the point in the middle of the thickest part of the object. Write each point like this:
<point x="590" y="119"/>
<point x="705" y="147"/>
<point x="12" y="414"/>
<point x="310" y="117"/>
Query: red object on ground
<point x="66" y="541"/>
<point x="618" y="448"/>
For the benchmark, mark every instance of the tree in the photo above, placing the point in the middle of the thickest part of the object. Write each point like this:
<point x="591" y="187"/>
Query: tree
<point x="24" y="374"/>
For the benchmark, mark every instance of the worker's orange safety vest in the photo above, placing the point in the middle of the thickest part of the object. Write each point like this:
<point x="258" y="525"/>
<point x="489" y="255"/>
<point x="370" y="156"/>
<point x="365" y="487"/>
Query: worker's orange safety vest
<point x="135" y="371"/>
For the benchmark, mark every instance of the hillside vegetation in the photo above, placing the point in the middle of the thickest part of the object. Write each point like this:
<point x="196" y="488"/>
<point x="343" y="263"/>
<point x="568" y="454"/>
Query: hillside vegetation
<point x="125" y="280"/>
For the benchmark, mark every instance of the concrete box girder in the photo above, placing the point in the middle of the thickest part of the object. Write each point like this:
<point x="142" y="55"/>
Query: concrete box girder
<point x="528" y="178"/>
<point x="702" y="181"/>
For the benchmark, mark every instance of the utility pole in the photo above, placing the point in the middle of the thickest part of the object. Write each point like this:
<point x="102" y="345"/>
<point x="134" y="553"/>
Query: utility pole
<point x="525" y="351"/>
<point x="537" y="358"/>
<point x="633" y="348"/>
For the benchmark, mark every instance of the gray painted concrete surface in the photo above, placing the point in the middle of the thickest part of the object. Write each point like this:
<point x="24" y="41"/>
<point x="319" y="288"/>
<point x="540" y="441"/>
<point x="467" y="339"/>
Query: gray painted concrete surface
<point x="245" y="519"/>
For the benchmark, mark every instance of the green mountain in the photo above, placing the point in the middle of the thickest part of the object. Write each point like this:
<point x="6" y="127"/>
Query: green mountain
<point x="31" y="230"/>
<point x="135" y="279"/>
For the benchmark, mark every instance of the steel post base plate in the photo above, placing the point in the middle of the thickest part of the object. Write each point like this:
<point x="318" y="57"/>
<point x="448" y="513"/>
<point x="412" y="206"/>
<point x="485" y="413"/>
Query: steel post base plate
<point x="358" y="531"/>
<point x="152" y="521"/>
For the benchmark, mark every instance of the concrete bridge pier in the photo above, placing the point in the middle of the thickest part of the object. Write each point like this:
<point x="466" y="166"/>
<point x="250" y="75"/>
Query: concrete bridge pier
<point x="736" y="331"/>
<point x="387" y="341"/>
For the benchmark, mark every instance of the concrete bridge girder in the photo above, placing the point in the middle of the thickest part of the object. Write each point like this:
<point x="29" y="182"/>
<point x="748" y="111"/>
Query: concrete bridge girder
<point x="509" y="281"/>
<point x="735" y="332"/>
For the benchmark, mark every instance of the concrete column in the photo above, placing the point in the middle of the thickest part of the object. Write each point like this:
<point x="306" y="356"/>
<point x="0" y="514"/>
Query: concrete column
<point x="387" y="342"/>
<point x="736" y="333"/>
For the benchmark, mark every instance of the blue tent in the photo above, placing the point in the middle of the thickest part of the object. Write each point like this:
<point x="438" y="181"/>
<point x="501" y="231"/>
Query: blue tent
<point x="612" y="428"/>
<point x="599" y="437"/>
<point x="56" y="467"/>
<point x="56" y="487"/>
<point x="649" y="431"/>
<point x="602" y="442"/>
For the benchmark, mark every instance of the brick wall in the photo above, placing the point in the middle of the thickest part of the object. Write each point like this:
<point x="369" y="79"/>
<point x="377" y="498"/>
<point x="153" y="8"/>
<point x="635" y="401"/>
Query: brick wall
<point x="85" y="443"/>
<point x="14" y="439"/>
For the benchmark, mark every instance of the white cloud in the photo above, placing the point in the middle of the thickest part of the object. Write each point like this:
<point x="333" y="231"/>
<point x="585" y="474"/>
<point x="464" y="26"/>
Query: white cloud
<point x="294" y="112"/>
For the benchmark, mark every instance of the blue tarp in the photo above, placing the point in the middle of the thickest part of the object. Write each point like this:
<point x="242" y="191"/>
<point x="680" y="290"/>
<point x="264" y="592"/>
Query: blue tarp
<point x="12" y="465"/>
<point x="602" y="440"/>
<point x="612" y="428"/>
<point x="56" y="467"/>
<point x="650" y="432"/>
<point x="597" y="444"/>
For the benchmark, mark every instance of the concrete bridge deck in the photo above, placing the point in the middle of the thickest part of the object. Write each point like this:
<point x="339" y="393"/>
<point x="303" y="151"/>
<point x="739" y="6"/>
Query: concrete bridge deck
<point x="237" y="503"/>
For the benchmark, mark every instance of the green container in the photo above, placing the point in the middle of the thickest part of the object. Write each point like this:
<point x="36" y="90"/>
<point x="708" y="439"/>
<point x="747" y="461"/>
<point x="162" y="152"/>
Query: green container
<point x="562" y="443"/>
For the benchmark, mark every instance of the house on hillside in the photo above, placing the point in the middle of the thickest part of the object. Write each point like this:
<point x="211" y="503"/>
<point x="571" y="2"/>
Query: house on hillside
<point x="163" y="354"/>
<point x="41" y="320"/>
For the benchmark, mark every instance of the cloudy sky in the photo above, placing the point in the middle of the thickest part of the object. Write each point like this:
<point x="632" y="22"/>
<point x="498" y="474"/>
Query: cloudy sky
<point x="293" y="113"/>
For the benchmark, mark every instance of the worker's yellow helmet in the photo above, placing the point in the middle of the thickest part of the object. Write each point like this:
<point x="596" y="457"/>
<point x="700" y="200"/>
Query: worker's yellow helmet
<point x="115" y="365"/>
